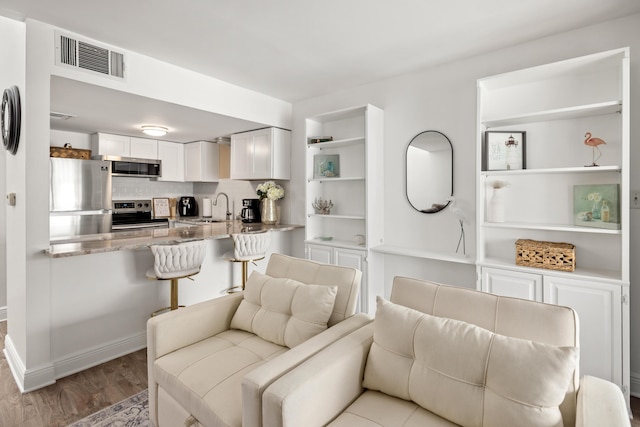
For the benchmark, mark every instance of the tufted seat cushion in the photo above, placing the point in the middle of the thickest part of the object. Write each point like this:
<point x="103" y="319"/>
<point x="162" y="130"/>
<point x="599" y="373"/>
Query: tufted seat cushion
<point x="177" y="260"/>
<point x="205" y="377"/>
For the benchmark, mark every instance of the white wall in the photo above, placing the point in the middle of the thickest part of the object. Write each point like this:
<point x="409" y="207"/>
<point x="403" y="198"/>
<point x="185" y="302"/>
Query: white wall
<point x="444" y="99"/>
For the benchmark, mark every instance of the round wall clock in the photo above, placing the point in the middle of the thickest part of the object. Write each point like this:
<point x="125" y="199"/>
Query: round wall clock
<point x="10" y="119"/>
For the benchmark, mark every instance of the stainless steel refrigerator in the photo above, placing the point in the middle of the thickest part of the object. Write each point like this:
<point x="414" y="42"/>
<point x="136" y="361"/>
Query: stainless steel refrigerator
<point x="79" y="197"/>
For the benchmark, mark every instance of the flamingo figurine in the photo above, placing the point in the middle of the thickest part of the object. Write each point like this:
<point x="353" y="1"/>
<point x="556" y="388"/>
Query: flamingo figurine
<point x="593" y="142"/>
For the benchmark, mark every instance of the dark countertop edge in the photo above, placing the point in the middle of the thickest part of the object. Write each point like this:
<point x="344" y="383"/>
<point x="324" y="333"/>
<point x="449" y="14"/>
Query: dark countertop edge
<point x="144" y="238"/>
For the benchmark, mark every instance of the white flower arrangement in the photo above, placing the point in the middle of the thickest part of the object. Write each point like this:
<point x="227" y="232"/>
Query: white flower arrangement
<point x="270" y="190"/>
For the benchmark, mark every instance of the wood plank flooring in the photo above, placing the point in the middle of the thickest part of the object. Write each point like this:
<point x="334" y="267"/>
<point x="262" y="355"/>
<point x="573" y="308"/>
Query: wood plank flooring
<point x="71" y="398"/>
<point x="76" y="396"/>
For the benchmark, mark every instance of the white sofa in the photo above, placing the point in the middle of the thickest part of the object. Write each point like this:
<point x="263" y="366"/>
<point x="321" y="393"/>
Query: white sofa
<point x="209" y="363"/>
<point x="473" y="359"/>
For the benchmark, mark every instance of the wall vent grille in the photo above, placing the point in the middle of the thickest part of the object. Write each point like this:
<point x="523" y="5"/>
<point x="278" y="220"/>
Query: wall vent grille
<point x="81" y="54"/>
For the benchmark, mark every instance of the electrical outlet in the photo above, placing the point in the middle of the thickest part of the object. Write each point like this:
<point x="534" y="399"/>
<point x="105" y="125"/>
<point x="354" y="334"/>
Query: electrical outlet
<point x="634" y="203"/>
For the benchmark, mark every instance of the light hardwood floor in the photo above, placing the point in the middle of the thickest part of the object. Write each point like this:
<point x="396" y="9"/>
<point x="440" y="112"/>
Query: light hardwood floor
<point x="71" y="398"/>
<point x="76" y="396"/>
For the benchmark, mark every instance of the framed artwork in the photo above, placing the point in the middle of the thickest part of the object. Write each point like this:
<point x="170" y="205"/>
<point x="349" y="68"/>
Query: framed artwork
<point x="597" y="205"/>
<point x="504" y="150"/>
<point x="326" y="166"/>
<point x="161" y="207"/>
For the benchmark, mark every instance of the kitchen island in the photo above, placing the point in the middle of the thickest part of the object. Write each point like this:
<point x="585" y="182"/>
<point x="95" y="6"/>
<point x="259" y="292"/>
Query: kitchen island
<point x="179" y="231"/>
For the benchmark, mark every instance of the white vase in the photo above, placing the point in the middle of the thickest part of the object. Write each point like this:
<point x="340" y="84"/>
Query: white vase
<point x="268" y="211"/>
<point x="496" y="206"/>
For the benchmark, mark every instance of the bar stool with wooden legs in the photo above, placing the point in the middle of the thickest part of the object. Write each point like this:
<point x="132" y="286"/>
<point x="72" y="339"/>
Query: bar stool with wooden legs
<point x="247" y="247"/>
<point x="176" y="261"/>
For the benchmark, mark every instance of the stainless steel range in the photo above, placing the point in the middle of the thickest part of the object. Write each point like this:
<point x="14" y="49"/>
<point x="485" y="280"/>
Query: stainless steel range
<point x="135" y="214"/>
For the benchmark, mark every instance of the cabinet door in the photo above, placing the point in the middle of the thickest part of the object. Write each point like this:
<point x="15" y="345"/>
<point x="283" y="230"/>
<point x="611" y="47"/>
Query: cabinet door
<point x="111" y="145"/>
<point x="512" y="283"/>
<point x="172" y="156"/>
<point x="241" y="156"/>
<point x="262" y="155"/>
<point x="599" y="308"/>
<point x="192" y="164"/>
<point x="143" y="148"/>
<point x="356" y="259"/>
<point x="320" y="253"/>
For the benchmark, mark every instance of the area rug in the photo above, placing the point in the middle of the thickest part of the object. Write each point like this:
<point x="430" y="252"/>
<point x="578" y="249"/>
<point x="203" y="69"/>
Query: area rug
<point x="131" y="412"/>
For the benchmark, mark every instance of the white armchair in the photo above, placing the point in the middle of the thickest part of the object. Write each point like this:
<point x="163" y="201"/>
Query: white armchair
<point x="472" y="359"/>
<point x="209" y="363"/>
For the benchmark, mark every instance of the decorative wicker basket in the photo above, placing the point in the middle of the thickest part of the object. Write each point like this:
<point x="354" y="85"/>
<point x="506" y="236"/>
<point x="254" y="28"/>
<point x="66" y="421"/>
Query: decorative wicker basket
<point x="550" y="255"/>
<point x="68" y="152"/>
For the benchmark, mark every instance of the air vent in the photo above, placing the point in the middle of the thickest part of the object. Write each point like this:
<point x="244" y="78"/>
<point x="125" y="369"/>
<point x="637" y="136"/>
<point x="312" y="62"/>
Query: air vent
<point x="71" y="52"/>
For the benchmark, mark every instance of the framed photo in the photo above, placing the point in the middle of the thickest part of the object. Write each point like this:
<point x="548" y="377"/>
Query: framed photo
<point x="597" y="205"/>
<point x="326" y="166"/>
<point x="161" y="207"/>
<point x="504" y="150"/>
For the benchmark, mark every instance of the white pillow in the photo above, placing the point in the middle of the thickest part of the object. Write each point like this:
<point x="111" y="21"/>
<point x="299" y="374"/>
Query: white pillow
<point x="284" y="311"/>
<point x="465" y="373"/>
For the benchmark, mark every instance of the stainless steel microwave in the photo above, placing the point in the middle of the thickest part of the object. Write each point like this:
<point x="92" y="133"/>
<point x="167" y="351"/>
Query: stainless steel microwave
<point x="126" y="166"/>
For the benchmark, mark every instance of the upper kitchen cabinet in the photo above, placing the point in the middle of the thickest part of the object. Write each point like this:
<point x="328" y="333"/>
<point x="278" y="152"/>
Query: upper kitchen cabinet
<point x="202" y="162"/>
<point x="261" y="154"/>
<point x="172" y="156"/>
<point x="104" y="144"/>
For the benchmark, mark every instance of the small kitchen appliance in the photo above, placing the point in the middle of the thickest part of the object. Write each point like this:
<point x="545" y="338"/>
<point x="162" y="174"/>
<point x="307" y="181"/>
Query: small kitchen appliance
<point x="187" y="206"/>
<point x="135" y="214"/>
<point x="250" y="210"/>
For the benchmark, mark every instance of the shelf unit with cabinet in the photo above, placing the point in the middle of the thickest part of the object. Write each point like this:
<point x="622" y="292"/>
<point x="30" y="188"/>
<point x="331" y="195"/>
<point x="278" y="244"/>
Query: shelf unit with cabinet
<point x="556" y="105"/>
<point x="354" y="186"/>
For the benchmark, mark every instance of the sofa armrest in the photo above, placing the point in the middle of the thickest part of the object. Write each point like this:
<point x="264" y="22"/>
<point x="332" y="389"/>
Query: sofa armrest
<point x="180" y="328"/>
<point x="321" y="388"/>
<point x="600" y="403"/>
<point x="256" y="381"/>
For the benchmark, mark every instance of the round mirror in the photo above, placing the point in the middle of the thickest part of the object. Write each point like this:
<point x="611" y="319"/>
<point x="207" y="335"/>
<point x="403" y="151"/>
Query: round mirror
<point x="429" y="171"/>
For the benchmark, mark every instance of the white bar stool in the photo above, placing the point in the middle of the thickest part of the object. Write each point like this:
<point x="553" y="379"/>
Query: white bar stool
<point x="247" y="247"/>
<point x="176" y="261"/>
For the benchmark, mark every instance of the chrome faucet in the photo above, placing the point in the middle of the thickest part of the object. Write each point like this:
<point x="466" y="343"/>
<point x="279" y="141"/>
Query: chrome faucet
<point x="215" y="203"/>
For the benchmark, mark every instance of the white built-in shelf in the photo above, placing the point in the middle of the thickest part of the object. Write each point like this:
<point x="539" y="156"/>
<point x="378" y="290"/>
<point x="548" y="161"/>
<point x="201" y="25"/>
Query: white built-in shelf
<point x="597" y="109"/>
<point x="550" y="227"/>
<point x="546" y="171"/>
<point x="337" y="143"/>
<point x="581" y="272"/>
<point x="332" y="216"/>
<point x="420" y="253"/>
<point x="337" y="179"/>
<point x="345" y="244"/>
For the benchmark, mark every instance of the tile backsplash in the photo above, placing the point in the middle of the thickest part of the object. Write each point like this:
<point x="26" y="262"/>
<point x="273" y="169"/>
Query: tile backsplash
<point x="142" y="188"/>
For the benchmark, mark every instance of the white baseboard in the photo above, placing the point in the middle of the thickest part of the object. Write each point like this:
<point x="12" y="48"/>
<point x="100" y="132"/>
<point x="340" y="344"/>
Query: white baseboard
<point x="99" y="354"/>
<point x="635" y="384"/>
<point x="3" y="313"/>
<point x="42" y="376"/>
<point x="27" y="379"/>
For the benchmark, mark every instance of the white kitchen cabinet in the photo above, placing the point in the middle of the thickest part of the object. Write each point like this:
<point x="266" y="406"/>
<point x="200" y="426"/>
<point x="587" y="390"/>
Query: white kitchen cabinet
<point x="348" y="171"/>
<point x="172" y="156"/>
<point x="201" y="161"/>
<point x="143" y="148"/>
<point x="105" y="144"/>
<point x="556" y="105"/>
<point x="261" y="154"/>
<point x="512" y="283"/>
<point x="599" y="307"/>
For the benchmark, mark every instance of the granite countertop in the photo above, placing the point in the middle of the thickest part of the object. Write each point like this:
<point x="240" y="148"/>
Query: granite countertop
<point x="137" y="239"/>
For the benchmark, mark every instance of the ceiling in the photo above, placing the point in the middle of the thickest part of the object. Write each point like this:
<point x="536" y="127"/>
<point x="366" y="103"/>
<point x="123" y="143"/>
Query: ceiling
<point x="297" y="49"/>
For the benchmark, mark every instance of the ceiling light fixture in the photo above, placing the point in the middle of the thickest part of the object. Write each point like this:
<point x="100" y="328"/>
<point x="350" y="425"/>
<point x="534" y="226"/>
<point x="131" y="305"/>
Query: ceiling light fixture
<point x="154" y="130"/>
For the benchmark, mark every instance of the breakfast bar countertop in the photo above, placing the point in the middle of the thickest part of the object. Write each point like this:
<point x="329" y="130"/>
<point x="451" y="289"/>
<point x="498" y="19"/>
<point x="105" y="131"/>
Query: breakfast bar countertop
<point x="137" y="239"/>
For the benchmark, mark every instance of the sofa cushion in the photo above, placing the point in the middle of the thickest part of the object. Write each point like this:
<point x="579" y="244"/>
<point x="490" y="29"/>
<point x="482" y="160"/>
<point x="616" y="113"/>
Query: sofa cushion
<point x="284" y="311"/>
<point x="465" y="373"/>
<point x="205" y="377"/>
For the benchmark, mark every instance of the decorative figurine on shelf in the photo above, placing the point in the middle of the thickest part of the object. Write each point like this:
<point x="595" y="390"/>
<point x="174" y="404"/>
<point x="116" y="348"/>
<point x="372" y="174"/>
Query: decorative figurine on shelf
<point x="322" y="207"/>
<point x="461" y="216"/>
<point x="593" y="142"/>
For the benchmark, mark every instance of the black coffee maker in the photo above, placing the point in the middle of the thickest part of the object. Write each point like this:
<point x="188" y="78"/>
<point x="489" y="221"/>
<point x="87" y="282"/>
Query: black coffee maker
<point x="187" y="206"/>
<point x="250" y="210"/>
